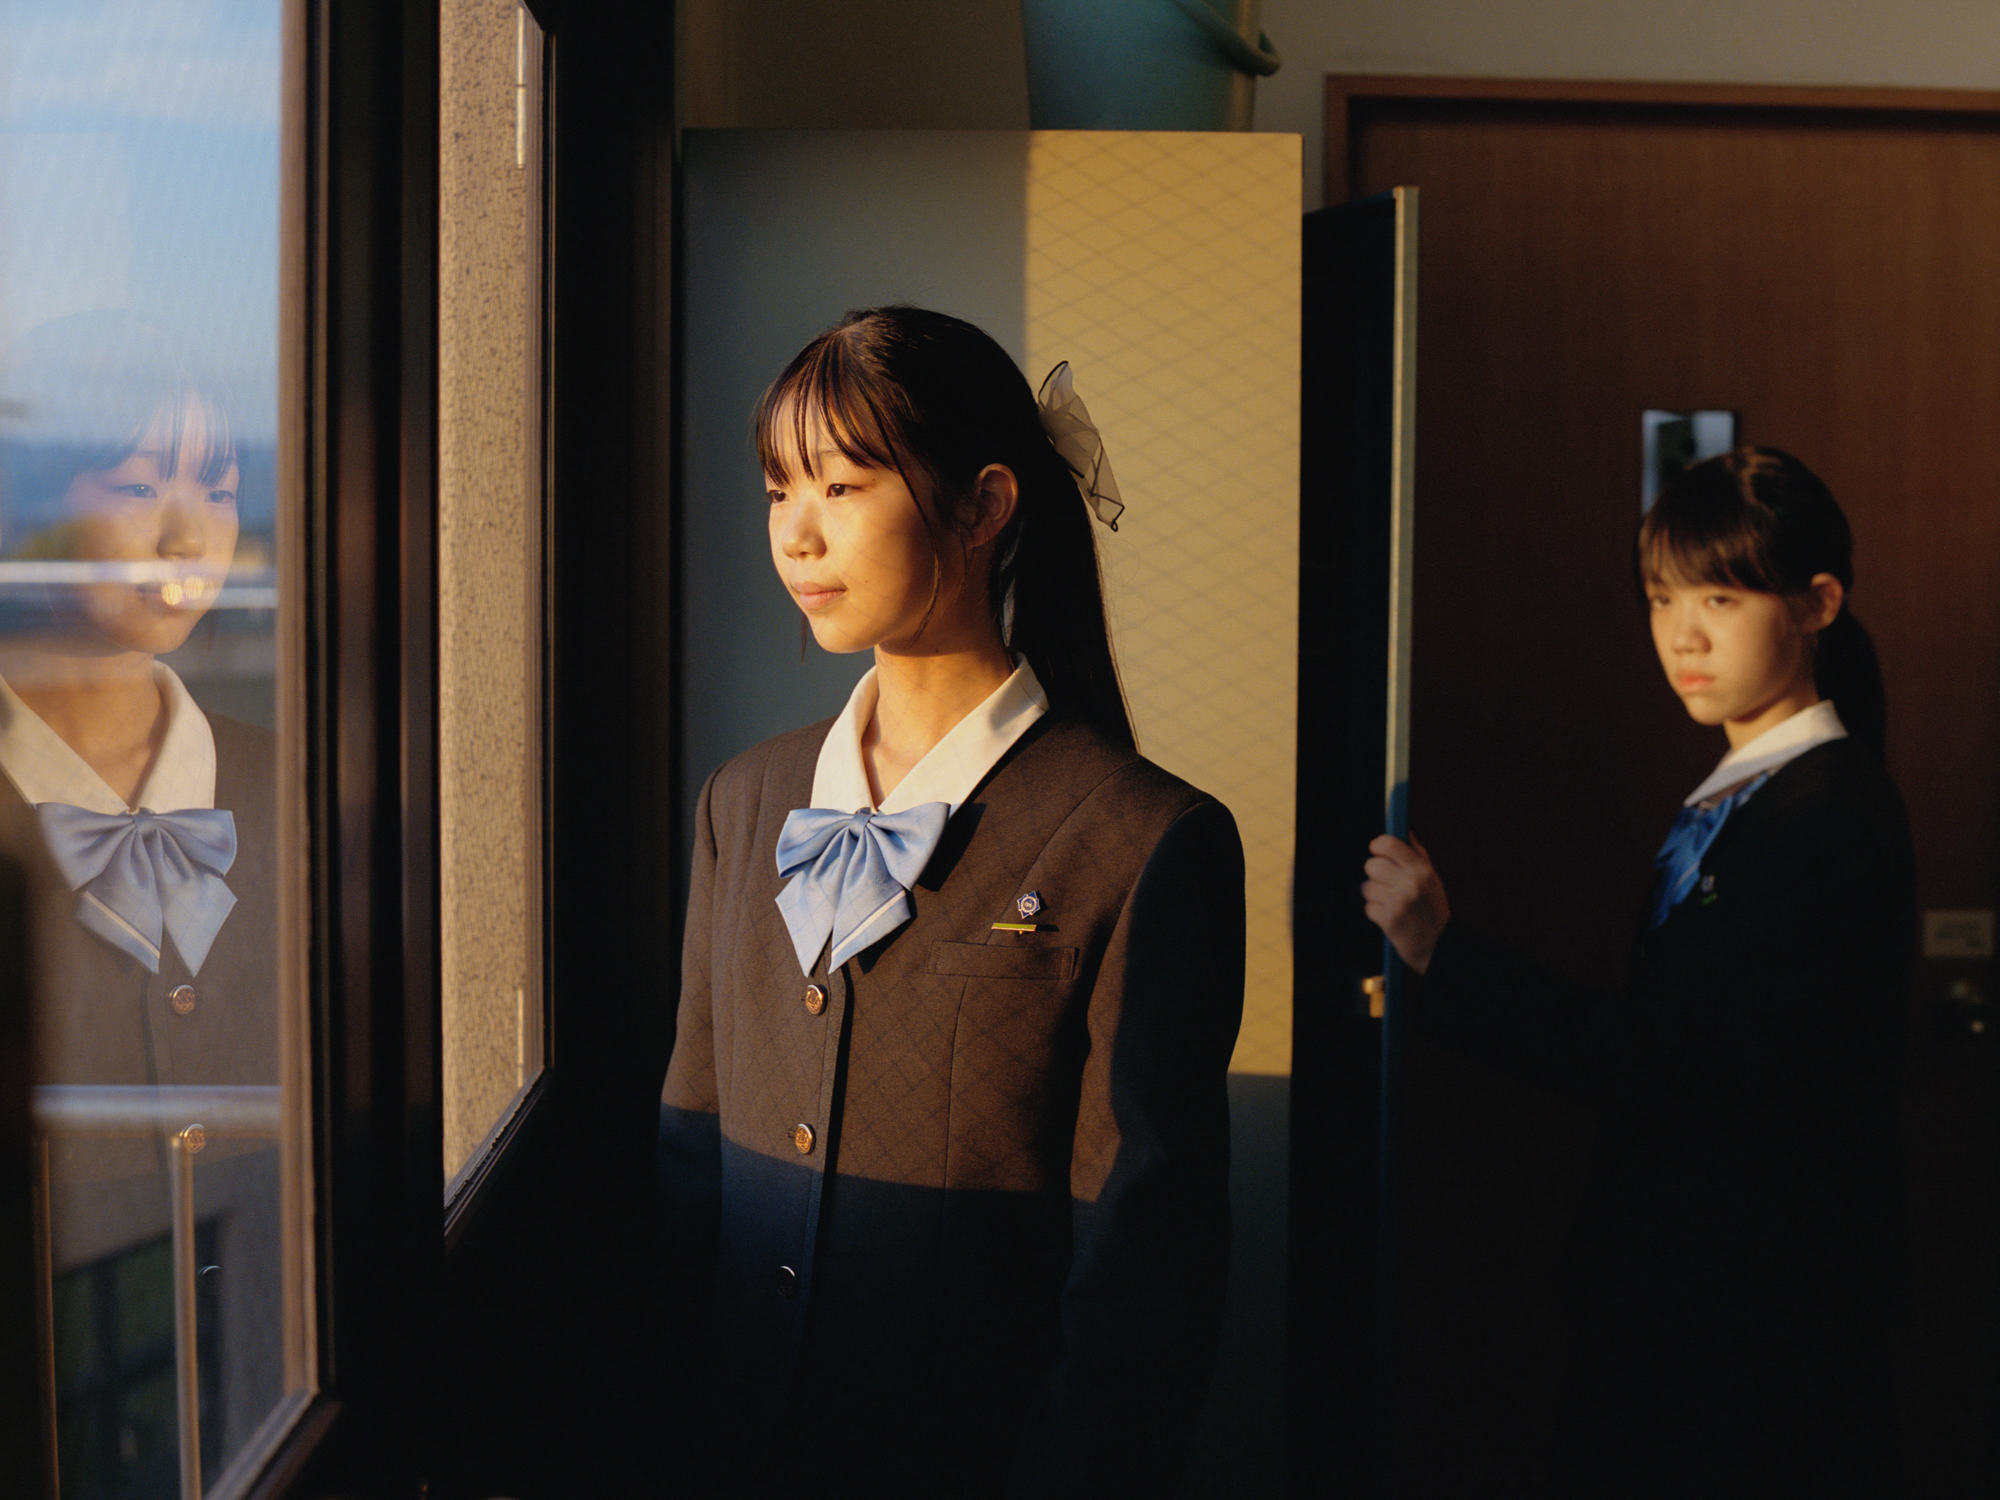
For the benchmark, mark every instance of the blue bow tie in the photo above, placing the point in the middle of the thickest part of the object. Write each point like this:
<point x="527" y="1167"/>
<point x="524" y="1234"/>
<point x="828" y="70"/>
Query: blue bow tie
<point x="1679" y="859"/>
<point x="139" y="873"/>
<point x="851" y="875"/>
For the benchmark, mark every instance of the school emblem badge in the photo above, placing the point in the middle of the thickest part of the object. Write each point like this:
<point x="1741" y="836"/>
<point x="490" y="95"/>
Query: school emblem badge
<point x="1029" y="904"/>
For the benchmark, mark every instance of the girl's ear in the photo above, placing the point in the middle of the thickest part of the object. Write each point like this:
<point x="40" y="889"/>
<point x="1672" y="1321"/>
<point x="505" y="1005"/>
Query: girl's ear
<point x="1824" y="596"/>
<point x="995" y="495"/>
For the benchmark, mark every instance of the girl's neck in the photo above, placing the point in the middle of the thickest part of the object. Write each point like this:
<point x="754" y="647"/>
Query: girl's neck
<point x="1742" y="731"/>
<point x="920" y="698"/>
<point x="107" y="708"/>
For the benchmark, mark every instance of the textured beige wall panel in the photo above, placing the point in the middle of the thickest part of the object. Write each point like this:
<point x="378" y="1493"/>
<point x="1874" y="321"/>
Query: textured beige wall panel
<point x="1165" y="268"/>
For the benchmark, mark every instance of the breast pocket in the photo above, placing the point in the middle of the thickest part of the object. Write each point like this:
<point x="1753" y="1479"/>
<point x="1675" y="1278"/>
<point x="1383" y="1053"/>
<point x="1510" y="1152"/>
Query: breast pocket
<point x="1002" y="961"/>
<point x="1017" y="1049"/>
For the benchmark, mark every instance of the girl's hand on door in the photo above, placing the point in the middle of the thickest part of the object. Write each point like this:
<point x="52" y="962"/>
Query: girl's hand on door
<point x="1404" y="897"/>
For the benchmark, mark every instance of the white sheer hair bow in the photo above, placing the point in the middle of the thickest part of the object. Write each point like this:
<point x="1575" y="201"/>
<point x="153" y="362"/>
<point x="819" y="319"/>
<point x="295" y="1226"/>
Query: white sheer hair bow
<point x="1076" y="438"/>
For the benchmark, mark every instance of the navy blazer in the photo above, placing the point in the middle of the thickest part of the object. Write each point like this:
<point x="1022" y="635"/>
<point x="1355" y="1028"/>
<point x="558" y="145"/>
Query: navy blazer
<point x="967" y="1215"/>
<point x="1738" y="1262"/>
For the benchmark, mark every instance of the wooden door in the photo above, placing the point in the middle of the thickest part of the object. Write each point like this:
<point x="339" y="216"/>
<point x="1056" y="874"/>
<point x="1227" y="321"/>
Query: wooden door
<point x="1823" y="263"/>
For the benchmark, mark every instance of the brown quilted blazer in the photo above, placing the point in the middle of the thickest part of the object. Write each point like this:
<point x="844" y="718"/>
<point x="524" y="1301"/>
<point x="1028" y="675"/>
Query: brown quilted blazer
<point x="968" y="1214"/>
<point x="101" y="1018"/>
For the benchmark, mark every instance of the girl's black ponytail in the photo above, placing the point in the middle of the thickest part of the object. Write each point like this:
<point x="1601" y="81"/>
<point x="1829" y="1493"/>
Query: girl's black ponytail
<point x="1847" y="671"/>
<point x="1051" y="596"/>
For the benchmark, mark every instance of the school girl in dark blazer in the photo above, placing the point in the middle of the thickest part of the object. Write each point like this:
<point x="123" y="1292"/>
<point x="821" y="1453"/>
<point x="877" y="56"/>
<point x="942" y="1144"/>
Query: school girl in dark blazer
<point x="944" y="1136"/>
<point x="1737" y="1270"/>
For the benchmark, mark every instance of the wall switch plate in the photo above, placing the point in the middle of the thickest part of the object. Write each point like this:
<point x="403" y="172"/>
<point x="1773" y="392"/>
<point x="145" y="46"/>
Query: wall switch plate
<point x="1958" y="934"/>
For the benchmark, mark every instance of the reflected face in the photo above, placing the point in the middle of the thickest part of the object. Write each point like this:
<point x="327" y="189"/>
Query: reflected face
<point x="152" y="509"/>
<point x="850" y="544"/>
<point x="1735" y="656"/>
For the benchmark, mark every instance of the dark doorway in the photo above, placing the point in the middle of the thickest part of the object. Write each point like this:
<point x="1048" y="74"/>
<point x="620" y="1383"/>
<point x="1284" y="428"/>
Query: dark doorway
<point x="1821" y="263"/>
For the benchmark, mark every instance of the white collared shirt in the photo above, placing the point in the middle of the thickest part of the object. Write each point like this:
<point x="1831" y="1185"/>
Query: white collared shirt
<point x="43" y="768"/>
<point x="954" y="765"/>
<point x="1776" y="746"/>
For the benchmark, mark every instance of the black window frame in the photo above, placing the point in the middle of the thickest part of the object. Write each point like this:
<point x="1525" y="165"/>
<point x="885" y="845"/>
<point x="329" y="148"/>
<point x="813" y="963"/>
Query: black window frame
<point x="409" y="1319"/>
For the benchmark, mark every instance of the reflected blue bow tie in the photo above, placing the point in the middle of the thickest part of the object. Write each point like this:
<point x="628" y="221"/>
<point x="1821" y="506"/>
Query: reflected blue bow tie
<point x="1679" y="859"/>
<point x="137" y="873"/>
<point x="851" y="875"/>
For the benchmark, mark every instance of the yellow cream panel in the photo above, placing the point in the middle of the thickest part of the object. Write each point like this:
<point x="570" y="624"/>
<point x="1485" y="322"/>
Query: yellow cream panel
<point x="1165" y="268"/>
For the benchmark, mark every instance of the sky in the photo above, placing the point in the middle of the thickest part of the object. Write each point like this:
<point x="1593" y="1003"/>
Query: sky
<point x="139" y="157"/>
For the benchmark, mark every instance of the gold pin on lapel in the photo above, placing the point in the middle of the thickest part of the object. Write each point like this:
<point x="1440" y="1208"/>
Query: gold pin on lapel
<point x="1027" y="906"/>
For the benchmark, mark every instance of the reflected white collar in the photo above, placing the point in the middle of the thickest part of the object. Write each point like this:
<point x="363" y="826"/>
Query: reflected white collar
<point x="955" y="765"/>
<point x="1776" y="746"/>
<point x="43" y="768"/>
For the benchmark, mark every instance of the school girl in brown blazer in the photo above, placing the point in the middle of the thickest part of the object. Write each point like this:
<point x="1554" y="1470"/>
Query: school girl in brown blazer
<point x="118" y="466"/>
<point x="944" y="1135"/>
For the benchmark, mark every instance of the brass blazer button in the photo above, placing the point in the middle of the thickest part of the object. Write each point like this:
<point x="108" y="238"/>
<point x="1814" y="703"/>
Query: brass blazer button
<point x="802" y="1137"/>
<point x="785" y="1282"/>
<point x="181" y="997"/>
<point x="815" y="999"/>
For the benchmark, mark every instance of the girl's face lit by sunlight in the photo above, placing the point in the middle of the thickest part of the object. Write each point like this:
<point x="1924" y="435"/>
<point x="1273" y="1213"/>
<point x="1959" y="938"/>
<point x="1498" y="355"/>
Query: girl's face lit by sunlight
<point x="850" y="544"/>
<point x="152" y="509"/>
<point x="1736" y="657"/>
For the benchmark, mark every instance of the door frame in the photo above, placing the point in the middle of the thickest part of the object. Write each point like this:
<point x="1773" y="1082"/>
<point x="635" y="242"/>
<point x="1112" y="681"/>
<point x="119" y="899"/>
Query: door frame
<point x="1352" y="97"/>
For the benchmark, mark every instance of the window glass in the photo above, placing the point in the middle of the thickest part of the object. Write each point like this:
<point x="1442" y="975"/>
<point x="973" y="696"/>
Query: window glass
<point x="141" y="792"/>
<point x="489" y="559"/>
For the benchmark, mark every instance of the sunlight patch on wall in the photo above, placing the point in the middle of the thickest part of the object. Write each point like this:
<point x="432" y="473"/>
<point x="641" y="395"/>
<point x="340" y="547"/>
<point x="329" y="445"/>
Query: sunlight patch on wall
<point x="1165" y="268"/>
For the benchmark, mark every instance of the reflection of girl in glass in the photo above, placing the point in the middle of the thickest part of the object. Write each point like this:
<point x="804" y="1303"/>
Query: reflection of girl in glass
<point x="146" y="830"/>
<point x="945" y="1126"/>
<point x="1737" y="1261"/>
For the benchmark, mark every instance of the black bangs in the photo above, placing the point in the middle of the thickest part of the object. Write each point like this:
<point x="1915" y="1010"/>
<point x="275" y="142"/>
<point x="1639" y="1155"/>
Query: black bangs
<point x="827" y="386"/>
<point x="1753" y="518"/>
<point x="1725" y="543"/>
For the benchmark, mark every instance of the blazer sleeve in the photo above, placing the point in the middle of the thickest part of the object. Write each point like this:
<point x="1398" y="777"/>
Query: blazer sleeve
<point x="1141" y="1307"/>
<point x="1779" y="991"/>
<point x="689" y="1159"/>
<point x="1484" y="998"/>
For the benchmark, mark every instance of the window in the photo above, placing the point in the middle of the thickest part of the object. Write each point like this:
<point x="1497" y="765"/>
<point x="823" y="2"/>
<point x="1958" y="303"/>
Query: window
<point x="148" y="630"/>
<point x="262" y="184"/>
